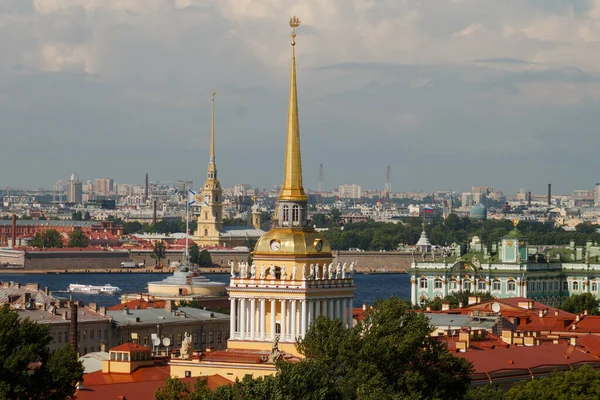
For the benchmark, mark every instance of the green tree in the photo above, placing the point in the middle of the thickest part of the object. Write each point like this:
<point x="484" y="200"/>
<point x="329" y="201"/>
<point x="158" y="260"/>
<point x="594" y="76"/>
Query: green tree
<point x="87" y="216"/>
<point x="76" y="216"/>
<point x="205" y="260"/>
<point x="577" y="384"/>
<point x="159" y="252"/>
<point x="578" y="303"/>
<point x="194" y="252"/>
<point x="176" y="389"/>
<point x="48" y="239"/>
<point x="455" y="298"/>
<point x="78" y="239"/>
<point x="28" y="370"/>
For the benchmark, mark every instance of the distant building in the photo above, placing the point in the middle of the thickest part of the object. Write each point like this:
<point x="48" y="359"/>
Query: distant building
<point x="74" y="190"/>
<point x="478" y="212"/>
<point x="350" y="191"/>
<point x="104" y="187"/>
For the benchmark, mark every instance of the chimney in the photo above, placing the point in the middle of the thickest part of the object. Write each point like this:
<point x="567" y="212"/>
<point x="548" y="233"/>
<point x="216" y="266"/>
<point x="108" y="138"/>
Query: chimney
<point x="93" y="306"/>
<point x="146" y="189"/>
<point x="47" y="290"/>
<point x="460" y="304"/>
<point x="549" y="194"/>
<point x="102" y="310"/>
<point x="573" y="341"/>
<point x="154" y="211"/>
<point x="529" y="200"/>
<point x="445" y="306"/>
<point x="585" y="312"/>
<point x="14" y="231"/>
<point x="428" y="308"/>
<point x="73" y="328"/>
<point x="364" y="307"/>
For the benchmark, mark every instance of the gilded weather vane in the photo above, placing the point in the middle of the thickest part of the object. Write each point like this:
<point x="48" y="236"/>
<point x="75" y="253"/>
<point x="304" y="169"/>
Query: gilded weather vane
<point x="213" y="95"/>
<point x="294" y="23"/>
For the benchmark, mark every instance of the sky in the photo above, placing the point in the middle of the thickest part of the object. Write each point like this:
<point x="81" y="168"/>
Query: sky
<point x="448" y="93"/>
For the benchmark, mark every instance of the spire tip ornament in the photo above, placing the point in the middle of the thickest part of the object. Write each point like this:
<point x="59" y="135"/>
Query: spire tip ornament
<point x="294" y="23"/>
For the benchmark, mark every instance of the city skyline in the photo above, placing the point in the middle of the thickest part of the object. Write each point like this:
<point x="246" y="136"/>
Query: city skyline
<point x="450" y="95"/>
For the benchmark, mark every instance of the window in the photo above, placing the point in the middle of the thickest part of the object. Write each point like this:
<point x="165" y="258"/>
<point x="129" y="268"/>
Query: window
<point x="216" y="198"/>
<point x="205" y="215"/>
<point x="453" y="285"/>
<point x="511" y="285"/>
<point x="67" y="337"/>
<point x="296" y="214"/>
<point x="466" y="284"/>
<point x="146" y="341"/>
<point x="481" y="285"/>
<point x="125" y="357"/>
<point x="437" y="284"/>
<point x="227" y="334"/>
<point x="91" y="334"/>
<point x="565" y="285"/>
<point x="206" y="232"/>
<point x="85" y="350"/>
<point x="119" y="356"/>
<point x="211" y="337"/>
<point x="203" y="337"/>
<point x="496" y="285"/>
<point x="53" y="338"/>
<point x="575" y="286"/>
<point x="195" y="337"/>
<point x="423" y="283"/>
<point x="594" y="287"/>
<point x="545" y="285"/>
<point x="84" y="334"/>
<point x="112" y="356"/>
<point x="99" y="333"/>
<point x="219" y="338"/>
<point x="286" y="213"/>
<point x="277" y="327"/>
<point x="178" y="339"/>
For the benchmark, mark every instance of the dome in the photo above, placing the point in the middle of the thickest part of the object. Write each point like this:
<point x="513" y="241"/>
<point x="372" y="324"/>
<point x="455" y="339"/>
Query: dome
<point x="478" y="211"/>
<point x="293" y="242"/>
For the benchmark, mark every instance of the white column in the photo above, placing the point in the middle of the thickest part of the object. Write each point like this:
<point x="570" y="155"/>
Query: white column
<point x="324" y="309"/>
<point x="341" y="309"/>
<point x="242" y="319"/>
<point x="331" y="313"/>
<point x="317" y="308"/>
<point x="273" y="315"/>
<point x="232" y="318"/>
<point x="350" y="308"/>
<point x="263" y="318"/>
<point x="336" y="307"/>
<point x="252" y="318"/>
<point x="303" y="317"/>
<point x="283" y="319"/>
<point x="309" y="321"/>
<point x="344" y="315"/>
<point x="293" y="320"/>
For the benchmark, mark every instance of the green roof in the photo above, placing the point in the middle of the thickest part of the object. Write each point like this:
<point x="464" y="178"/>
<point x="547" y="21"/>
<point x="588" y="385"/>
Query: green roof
<point x="514" y="234"/>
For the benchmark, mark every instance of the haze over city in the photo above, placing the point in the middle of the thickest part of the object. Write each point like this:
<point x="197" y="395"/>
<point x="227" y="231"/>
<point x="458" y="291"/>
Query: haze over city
<point x="450" y="94"/>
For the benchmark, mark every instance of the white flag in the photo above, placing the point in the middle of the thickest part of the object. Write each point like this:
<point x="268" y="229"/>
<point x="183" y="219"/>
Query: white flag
<point x="191" y="197"/>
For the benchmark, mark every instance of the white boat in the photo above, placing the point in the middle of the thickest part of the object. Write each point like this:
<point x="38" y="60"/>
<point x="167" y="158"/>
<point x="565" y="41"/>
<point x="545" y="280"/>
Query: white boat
<point x="91" y="289"/>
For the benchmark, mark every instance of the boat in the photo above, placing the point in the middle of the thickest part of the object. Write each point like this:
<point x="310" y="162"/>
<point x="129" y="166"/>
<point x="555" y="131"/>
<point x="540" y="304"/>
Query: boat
<point x="91" y="289"/>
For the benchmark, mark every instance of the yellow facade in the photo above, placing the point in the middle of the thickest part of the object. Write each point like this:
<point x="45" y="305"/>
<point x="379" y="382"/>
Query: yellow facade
<point x="230" y="371"/>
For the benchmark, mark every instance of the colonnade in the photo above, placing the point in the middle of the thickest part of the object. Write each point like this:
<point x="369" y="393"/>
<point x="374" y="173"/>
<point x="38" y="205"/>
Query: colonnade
<point x="291" y="318"/>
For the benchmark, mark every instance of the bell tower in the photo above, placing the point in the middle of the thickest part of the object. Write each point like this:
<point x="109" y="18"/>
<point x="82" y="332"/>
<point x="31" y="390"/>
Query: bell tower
<point x="210" y="215"/>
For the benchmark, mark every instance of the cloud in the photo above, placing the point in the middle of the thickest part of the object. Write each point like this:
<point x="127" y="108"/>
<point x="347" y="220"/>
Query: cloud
<point x="122" y="87"/>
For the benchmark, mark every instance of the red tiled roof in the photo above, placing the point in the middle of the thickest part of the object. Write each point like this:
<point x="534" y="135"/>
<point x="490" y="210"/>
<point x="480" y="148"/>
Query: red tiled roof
<point x="130" y="347"/>
<point x="590" y="343"/>
<point x="138" y="304"/>
<point x="587" y="323"/>
<point x="525" y="357"/>
<point x="136" y="389"/>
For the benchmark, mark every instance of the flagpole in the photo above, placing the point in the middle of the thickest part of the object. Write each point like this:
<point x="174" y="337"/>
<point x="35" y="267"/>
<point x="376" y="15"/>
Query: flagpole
<point x="187" y="224"/>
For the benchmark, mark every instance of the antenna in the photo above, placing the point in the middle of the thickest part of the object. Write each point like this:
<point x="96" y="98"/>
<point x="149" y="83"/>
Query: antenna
<point x="388" y="183"/>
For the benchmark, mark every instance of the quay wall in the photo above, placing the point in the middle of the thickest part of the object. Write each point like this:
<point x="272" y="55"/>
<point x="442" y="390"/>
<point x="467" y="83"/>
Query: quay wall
<point x="102" y="260"/>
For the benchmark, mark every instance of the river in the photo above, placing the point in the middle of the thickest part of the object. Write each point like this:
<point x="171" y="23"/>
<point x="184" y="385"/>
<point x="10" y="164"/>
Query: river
<point x="369" y="287"/>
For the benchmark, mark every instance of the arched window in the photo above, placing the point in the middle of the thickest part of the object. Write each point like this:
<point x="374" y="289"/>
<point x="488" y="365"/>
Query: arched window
<point x="216" y="198"/>
<point x="296" y="214"/>
<point x="423" y="283"/>
<point x="467" y="284"/>
<point x="511" y="285"/>
<point x="575" y="286"/>
<point x="206" y="232"/>
<point x="205" y="215"/>
<point x="594" y="286"/>
<point x="453" y="284"/>
<point x="481" y="284"/>
<point x="437" y="283"/>
<point x="496" y="285"/>
<point x="286" y="213"/>
<point x="565" y="285"/>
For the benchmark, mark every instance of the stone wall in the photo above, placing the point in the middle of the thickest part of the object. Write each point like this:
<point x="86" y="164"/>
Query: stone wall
<point x="74" y="260"/>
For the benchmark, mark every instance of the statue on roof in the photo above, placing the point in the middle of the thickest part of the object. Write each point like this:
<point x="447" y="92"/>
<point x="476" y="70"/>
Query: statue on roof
<point x="283" y="272"/>
<point x="312" y="272"/>
<point x="338" y="271"/>
<point x="186" y="347"/>
<point x="253" y="271"/>
<point x="232" y="265"/>
<point x="352" y="269"/>
<point x="587" y="256"/>
<point x="263" y="271"/>
<point x="294" y="270"/>
<point x="304" y="272"/>
<point x="272" y="271"/>
<point x="275" y="354"/>
<point x="317" y="271"/>
<point x="330" y="271"/>
<point x="344" y="271"/>
<point x="325" y="271"/>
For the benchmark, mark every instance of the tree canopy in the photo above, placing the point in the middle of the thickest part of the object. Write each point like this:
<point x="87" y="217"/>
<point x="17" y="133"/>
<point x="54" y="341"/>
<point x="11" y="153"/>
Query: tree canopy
<point x="78" y="239"/>
<point x="204" y="259"/>
<point x="455" y="298"/>
<point x="28" y="370"/>
<point x="578" y="303"/>
<point x="159" y="252"/>
<point x="47" y="239"/>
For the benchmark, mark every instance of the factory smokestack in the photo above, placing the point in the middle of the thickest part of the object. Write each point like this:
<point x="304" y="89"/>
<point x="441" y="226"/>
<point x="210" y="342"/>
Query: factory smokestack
<point x="549" y="194"/>
<point x="14" y="231"/>
<point x="73" y="328"/>
<point x="528" y="199"/>
<point x="146" y="189"/>
<point x="154" y="211"/>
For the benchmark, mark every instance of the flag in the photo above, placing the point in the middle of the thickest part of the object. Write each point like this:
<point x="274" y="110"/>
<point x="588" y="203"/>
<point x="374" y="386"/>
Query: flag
<point x="428" y="210"/>
<point x="191" y="197"/>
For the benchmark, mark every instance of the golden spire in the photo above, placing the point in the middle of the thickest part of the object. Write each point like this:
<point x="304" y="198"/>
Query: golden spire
<point x="212" y="131"/>
<point x="292" y="180"/>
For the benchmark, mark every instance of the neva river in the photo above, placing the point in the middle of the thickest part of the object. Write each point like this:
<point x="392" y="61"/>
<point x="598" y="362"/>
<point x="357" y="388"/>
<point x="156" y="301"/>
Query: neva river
<point x="368" y="287"/>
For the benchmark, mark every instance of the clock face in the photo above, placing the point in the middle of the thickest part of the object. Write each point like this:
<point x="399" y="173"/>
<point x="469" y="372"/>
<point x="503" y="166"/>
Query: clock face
<point x="318" y="244"/>
<point x="275" y="245"/>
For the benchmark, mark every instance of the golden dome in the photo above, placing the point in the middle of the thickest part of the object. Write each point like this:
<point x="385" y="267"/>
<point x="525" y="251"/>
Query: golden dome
<point x="292" y="242"/>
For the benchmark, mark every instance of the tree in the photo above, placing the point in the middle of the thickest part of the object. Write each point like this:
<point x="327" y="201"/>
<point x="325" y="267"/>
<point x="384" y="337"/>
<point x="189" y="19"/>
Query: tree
<point x="205" y="260"/>
<point x="578" y="303"/>
<point x="194" y="252"/>
<point x="87" y="216"/>
<point x="76" y="216"/>
<point x="28" y="370"/>
<point x="159" y="252"/>
<point x="457" y="297"/>
<point x="48" y="239"/>
<point x="176" y="389"/>
<point x="581" y="383"/>
<point x="78" y="239"/>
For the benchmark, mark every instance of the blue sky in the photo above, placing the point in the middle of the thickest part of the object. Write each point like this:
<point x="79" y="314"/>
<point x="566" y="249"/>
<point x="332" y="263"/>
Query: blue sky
<point x="449" y="93"/>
